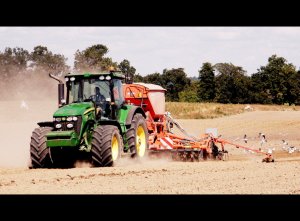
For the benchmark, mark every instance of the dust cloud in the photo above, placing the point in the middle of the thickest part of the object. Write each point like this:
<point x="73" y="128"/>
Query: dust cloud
<point x="23" y="102"/>
<point x="156" y="160"/>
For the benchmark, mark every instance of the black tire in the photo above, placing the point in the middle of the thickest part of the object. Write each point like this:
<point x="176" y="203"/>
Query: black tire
<point x="39" y="153"/>
<point x="103" y="146"/>
<point x="137" y="122"/>
<point x="215" y="150"/>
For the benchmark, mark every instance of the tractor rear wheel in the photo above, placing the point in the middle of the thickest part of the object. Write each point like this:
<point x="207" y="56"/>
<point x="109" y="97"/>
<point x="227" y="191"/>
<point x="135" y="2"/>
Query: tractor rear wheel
<point x="39" y="153"/>
<point x="107" y="145"/>
<point x="137" y="136"/>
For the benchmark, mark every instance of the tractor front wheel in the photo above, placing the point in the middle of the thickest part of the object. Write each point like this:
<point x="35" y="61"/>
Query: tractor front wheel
<point x="39" y="153"/>
<point x="106" y="146"/>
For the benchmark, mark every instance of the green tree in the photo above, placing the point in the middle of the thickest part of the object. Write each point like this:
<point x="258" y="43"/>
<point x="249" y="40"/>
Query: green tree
<point x="293" y="88"/>
<point x="154" y="78"/>
<point x="190" y="93"/>
<point x="206" y="87"/>
<point x="92" y="59"/>
<point x="232" y="85"/>
<point x="175" y="81"/>
<point x="13" y="61"/>
<point x="43" y="59"/>
<point x="138" y="78"/>
<point x="277" y="82"/>
<point x="128" y="70"/>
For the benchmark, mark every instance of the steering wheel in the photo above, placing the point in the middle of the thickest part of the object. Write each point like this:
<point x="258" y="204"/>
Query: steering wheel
<point x="92" y="97"/>
<point x="88" y="99"/>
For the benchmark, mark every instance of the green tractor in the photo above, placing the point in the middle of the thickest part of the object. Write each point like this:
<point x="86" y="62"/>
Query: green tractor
<point x="92" y="124"/>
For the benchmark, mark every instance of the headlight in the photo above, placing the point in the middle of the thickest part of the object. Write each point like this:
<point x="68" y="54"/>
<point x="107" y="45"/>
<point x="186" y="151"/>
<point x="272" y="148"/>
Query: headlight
<point x="69" y="118"/>
<point x="108" y="77"/>
<point x="69" y="125"/>
<point x="57" y="126"/>
<point x="101" y="77"/>
<point x="57" y="119"/>
<point x="75" y="118"/>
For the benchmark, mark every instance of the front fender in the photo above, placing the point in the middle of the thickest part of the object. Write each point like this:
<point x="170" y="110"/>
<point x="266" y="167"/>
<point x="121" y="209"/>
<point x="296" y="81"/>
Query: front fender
<point x="134" y="110"/>
<point x="46" y="124"/>
<point x="111" y="122"/>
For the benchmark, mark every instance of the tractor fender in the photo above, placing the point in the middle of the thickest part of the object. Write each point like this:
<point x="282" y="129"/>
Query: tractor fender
<point x="84" y="127"/>
<point x="132" y="112"/>
<point x="46" y="124"/>
<point x="111" y="122"/>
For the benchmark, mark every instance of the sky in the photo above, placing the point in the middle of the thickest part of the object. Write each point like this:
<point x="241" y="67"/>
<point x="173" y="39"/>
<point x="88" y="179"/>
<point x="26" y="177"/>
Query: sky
<point x="152" y="49"/>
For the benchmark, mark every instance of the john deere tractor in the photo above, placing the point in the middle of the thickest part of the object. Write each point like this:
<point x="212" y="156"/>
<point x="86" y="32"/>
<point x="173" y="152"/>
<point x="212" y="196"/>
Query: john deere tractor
<point x="93" y="123"/>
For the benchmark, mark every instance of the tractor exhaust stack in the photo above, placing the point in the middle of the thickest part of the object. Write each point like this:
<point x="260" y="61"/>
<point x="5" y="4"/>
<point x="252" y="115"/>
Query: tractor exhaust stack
<point x="61" y="93"/>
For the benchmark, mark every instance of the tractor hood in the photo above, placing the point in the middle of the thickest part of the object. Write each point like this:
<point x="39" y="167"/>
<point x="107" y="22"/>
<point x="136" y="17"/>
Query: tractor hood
<point x="73" y="109"/>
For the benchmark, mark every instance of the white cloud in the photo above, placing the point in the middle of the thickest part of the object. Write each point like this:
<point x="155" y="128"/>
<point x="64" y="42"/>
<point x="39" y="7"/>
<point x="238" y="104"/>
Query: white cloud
<point x="152" y="49"/>
<point x="227" y="35"/>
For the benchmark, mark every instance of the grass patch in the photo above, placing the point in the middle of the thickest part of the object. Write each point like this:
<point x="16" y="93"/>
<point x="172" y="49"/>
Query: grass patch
<point x="184" y="110"/>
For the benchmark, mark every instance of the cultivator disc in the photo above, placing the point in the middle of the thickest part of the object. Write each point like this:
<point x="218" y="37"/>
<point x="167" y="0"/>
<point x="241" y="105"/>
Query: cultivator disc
<point x="188" y="155"/>
<point x="223" y="155"/>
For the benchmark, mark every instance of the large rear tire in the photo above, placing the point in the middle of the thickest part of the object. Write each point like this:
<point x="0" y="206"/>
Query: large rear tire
<point x="137" y="136"/>
<point x="107" y="146"/>
<point x="39" y="153"/>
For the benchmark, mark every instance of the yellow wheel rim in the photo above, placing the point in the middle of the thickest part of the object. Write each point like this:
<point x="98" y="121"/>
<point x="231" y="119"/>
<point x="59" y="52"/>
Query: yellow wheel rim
<point x="140" y="141"/>
<point x="115" y="148"/>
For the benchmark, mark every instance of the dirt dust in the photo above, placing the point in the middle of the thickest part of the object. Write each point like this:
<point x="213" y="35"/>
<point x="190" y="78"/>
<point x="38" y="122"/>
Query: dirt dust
<point x="243" y="173"/>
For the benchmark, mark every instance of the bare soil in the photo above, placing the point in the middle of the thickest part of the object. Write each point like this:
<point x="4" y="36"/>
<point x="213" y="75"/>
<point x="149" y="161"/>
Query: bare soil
<point x="243" y="173"/>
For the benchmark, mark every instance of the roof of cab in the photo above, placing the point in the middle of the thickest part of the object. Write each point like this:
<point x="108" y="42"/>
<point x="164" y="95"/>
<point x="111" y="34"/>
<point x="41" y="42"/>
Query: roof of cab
<point x="114" y="74"/>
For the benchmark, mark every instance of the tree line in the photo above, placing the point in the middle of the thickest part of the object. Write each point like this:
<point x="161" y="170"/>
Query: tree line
<point x="278" y="82"/>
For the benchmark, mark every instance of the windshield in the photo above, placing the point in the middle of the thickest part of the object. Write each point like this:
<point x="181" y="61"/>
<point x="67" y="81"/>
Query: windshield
<point x="118" y="92"/>
<point x="88" y="90"/>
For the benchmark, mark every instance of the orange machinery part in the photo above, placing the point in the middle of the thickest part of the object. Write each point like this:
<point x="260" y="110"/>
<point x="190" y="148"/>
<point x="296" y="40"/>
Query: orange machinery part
<point x="138" y="95"/>
<point x="159" y="137"/>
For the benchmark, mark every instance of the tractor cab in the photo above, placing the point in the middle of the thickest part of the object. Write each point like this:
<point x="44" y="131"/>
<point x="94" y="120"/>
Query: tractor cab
<point x="103" y="89"/>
